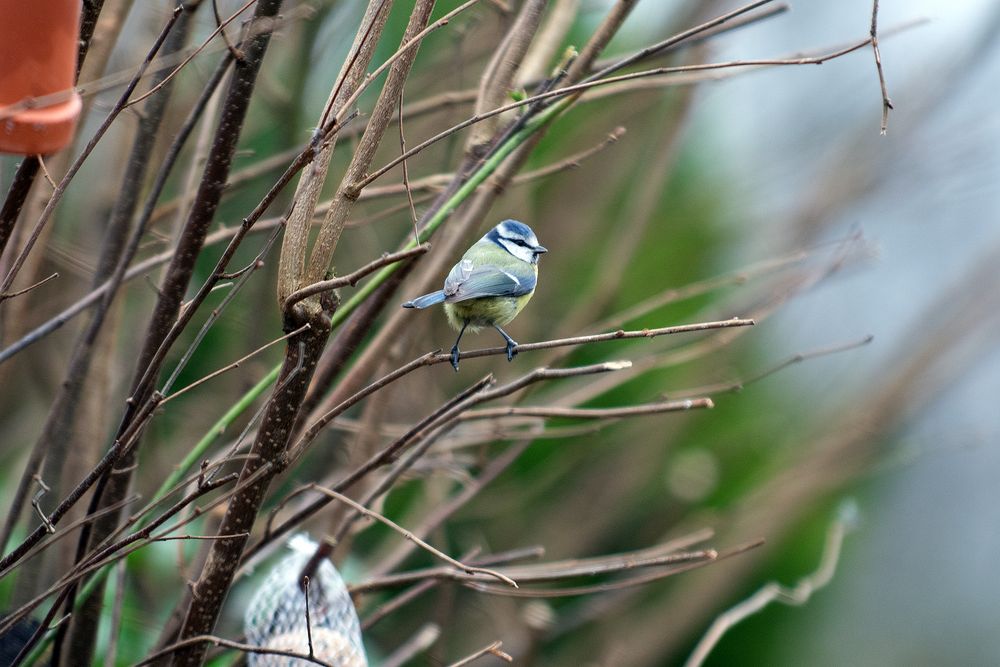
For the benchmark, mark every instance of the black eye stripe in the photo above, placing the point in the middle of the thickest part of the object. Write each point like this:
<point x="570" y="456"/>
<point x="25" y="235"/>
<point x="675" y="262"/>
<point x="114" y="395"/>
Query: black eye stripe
<point x="518" y="241"/>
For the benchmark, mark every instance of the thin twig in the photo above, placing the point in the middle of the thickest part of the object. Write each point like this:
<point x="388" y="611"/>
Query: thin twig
<point x="233" y="51"/>
<point x="886" y="102"/>
<point x="309" y="634"/>
<point x="406" y="169"/>
<point x="220" y="29"/>
<point x="235" y="364"/>
<point x="493" y="649"/>
<point x="798" y="358"/>
<point x="228" y="643"/>
<point x="351" y="279"/>
<point x="468" y="569"/>
<point x="795" y="596"/>
<point x="43" y="488"/>
<point x="11" y="295"/>
<point x="45" y="171"/>
<point x="589" y="413"/>
<point x="620" y="334"/>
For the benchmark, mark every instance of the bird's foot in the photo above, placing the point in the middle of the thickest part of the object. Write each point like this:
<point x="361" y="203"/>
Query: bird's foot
<point x="454" y="358"/>
<point x="511" y="350"/>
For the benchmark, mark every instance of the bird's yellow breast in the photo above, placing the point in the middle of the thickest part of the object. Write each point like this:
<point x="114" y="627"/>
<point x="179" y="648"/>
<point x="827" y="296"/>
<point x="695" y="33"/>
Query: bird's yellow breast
<point x="485" y="312"/>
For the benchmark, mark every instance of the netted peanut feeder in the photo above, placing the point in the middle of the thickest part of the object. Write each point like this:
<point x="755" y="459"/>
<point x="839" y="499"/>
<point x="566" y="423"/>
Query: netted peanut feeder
<point x="276" y="615"/>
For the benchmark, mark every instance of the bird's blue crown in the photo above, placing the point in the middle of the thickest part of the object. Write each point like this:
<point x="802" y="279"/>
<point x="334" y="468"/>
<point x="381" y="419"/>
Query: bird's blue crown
<point x="510" y="229"/>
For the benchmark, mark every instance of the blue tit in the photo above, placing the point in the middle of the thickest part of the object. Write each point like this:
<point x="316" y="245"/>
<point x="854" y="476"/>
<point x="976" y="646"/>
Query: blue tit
<point x="490" y="284"/>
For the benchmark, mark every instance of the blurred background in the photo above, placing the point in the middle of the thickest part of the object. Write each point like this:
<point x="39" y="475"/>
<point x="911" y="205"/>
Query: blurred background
<point x="753" y="192"/>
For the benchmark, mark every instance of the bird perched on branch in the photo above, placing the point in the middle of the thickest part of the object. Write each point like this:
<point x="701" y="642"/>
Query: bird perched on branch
<point x="490" y="284"/>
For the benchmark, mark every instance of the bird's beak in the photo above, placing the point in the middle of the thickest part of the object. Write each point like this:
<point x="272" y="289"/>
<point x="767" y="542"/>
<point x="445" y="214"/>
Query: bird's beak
<point x="540" y="249"/>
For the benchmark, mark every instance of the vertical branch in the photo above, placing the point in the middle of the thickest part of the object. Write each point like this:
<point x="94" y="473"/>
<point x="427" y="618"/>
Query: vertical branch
<point x="17" y="194"/>
<point x="265" y="460"/>
<point x="886" y="102"/>
<point x="206" y="202"/>
<point x="64" y="453"/>
<point x="302" y="353"/>
<point x="291" y="265"/>
<point x="538" y="60"/>
<point x="114" y="485"/>
<point x="385" y="109"/>
<point x="498" y="79"/>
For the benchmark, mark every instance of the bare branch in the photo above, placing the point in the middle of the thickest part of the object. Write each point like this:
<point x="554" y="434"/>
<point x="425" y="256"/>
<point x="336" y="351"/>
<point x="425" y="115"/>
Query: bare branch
<point x="886" y="102"/>
<point x="10" y="295"/>
<point x="599" y="338"/>
<point x="351" y="279"/>
<point x="795" y="596"/>
<point x="468" y="569"/>
<point x="235" y="364"/>
<point x="228" y="643"/>
<point x="589" y="413"/>
<point x="493" y="649"/>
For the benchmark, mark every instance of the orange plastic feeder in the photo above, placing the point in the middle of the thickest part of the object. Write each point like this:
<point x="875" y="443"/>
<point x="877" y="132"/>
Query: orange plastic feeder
<point x="38" y="47"/>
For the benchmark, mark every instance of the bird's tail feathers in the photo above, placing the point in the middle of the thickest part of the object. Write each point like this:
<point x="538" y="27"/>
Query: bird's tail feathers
<point x="426" y="300"/>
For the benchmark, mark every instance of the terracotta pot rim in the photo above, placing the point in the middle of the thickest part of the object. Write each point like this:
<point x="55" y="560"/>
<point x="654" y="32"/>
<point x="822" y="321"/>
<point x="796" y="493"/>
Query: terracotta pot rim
<point x="42" y="130"/>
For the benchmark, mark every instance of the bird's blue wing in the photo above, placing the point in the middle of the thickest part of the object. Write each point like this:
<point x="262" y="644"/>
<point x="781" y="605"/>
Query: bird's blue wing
<point x="468" y="282"/>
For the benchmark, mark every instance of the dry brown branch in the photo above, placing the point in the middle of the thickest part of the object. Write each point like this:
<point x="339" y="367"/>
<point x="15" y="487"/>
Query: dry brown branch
<point x="152" y="658"/>
<point x="294" y="246"/>
<point x="620" y="334"/>
<point x="739" y="385"/>
<point x="319" y="423"/>
<point x="686" y="563"/>
<point x="439" y="357"/>
<point x="406" y="169"/>
<point x="795" y="596"/>
<point x="422" y="433"/>
<point x="666" y="554"/>
<point x="231" y="366"/>
<point x="351" y="279"/>
<point x="886" y="102"/>
<point x="321" y="257"/>
<point x="589" y="413"/>
<point x="493" y="649"/>
<point x="10" y="295"/>
<point x="441" y="513"/>
<point x="498" y="76"/>
<point x="475" y="572"/>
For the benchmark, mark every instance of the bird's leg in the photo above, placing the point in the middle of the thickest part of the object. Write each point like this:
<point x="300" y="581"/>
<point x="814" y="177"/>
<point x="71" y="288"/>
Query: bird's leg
<point x="454" y="349"/>
<point x="511" y="343"/>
